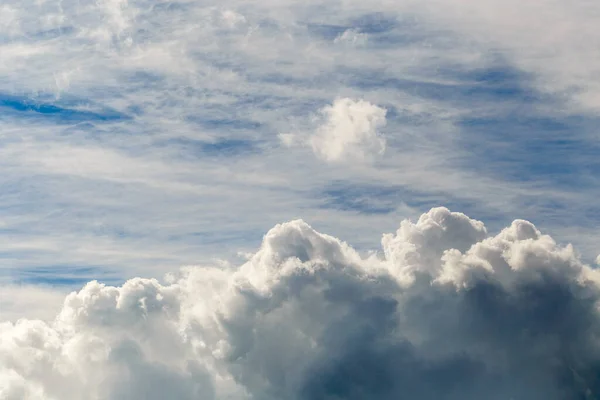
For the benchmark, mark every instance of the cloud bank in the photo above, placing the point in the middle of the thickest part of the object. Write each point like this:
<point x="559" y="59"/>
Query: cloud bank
<point x="446" y="312"/>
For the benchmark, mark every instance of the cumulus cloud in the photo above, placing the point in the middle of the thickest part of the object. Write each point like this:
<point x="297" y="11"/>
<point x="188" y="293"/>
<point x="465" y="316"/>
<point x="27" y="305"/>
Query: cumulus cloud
<point x="347" y="130"/>
<point x="449" y="312"/>
<point x="31" y="301"/>
<point x="351" y="36"/>
<point x="232" y="19"/>
<point x="9" y="22"/>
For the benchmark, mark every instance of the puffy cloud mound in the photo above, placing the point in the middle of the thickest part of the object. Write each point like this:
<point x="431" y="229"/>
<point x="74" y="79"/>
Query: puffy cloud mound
<point x="349" y="131"/>
<point x="449" y="312"/>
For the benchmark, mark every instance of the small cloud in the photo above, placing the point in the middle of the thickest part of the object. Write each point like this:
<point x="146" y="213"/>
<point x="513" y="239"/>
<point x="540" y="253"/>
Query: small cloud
<point x="232" y="19"/>
<point x="245" y="255"/>
<point x="290" y="139"/>
<point x="9" y="21"/>
<point x="352" y="37"/>
<point x="349" y="131"/>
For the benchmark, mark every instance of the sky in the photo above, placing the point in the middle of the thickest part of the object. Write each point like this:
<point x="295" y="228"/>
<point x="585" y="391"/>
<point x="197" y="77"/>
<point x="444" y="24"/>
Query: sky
<point x="140" y="137"/>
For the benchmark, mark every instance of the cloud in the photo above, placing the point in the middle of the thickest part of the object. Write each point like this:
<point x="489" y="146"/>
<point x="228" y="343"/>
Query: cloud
<point x="349" y="131"/>
<point x="30" y="301"/>
<point x="9" y="20"/>
<point x="109" y="105"/>
<point x="232" y="19"/>
<point x="449" y="312"/>
<point x="514" y="29"/>
<point x="353" y="37"/>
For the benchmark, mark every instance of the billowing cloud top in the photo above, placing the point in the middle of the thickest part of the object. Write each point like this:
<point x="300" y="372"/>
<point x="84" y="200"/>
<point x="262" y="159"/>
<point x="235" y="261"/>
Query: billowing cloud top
<point x="448" y="312"/>
<point x="349" y="131"/>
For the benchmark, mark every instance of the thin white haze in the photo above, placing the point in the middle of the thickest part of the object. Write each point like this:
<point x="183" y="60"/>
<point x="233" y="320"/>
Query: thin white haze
<point x="140" y="134"/>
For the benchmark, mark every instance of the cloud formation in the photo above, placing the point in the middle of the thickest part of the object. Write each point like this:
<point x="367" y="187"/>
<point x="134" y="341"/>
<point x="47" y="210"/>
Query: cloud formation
<point x="448" y="312"/>
<point x="111" y="108"/>
<point x="349" y="131"/>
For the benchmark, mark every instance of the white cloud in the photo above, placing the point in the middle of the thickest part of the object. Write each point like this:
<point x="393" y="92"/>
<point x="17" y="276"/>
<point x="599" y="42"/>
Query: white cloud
<point x="349" y="131"/>
<point x="562" y="61"/>
<point x="450" y="312"/>
<point x="141" y="193"/>
<point x="352" y="36"/>
<point x="233" y="19"/>
<point x="290" y="139"/>
<point x="9" y="22"/>
<point x="29" y="301"/>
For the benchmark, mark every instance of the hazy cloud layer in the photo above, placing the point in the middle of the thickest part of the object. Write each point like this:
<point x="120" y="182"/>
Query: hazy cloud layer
<point x="449" y="312"/>
<point x="147" y="134"/>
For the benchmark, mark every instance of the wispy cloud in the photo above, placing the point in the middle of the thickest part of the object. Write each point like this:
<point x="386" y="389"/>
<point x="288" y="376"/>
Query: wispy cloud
<point x="146" y="134"/>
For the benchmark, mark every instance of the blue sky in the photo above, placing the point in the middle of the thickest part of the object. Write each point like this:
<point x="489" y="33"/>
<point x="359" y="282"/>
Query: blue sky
<point x="140" y="136"/>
